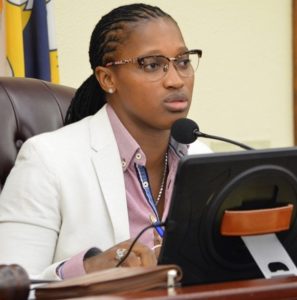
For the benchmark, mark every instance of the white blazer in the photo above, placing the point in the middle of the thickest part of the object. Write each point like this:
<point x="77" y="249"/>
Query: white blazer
<point x="65" y="194"/>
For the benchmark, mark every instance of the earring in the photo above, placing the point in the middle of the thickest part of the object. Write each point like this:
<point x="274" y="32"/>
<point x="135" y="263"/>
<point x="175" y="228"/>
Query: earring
<point x="110" y="91"/>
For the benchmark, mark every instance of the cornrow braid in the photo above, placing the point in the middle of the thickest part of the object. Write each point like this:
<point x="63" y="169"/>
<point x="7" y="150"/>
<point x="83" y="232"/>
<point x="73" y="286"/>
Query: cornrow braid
<point x="107" y="35"/>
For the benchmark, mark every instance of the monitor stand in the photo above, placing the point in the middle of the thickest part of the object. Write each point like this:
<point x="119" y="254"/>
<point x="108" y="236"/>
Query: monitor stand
<point x="270" y="255"/>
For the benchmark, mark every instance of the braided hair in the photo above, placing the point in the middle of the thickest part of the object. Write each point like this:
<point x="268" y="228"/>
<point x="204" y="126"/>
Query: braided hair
<point x="109" y="32"/>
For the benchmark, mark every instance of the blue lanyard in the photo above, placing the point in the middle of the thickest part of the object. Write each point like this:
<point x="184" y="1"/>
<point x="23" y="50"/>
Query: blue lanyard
<point x="143" y="177"/>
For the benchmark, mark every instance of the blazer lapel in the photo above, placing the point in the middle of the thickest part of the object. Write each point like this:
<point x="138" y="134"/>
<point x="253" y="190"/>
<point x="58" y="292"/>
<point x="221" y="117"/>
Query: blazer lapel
<point x="107" y="163"/>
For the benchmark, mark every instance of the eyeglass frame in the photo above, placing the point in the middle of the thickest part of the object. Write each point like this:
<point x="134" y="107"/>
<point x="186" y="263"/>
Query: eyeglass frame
<point x="137" y="60"/>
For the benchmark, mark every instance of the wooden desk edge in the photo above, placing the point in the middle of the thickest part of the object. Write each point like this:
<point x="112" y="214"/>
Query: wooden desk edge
<point x="284" y="288"/>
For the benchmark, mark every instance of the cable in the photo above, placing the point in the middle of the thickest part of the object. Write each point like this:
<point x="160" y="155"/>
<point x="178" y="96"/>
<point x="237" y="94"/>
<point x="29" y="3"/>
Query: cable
<point x="155" y="225"/>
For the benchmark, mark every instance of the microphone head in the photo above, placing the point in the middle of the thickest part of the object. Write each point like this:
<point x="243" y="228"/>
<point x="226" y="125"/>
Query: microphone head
<point x="183" y="131"/>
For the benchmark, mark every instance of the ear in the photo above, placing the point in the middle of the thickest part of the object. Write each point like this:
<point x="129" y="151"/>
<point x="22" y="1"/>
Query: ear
<point x="105" y="79"/>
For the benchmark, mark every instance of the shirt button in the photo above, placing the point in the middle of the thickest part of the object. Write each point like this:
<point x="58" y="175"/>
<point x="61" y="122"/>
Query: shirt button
<point x="138" y="156"/>
<point x="145" y="184"/>
<point x="124" y="163"/>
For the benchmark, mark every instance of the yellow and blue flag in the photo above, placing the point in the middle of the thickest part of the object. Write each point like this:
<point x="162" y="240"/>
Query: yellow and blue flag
<point x="27" y="42"/>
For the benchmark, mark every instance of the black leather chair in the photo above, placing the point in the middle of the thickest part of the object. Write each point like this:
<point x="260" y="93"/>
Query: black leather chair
<point x="28" y="107"/>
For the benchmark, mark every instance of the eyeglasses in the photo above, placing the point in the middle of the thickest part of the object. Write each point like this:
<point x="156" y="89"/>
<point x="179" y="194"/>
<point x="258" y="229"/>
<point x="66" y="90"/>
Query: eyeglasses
<point x="155" y="67"/>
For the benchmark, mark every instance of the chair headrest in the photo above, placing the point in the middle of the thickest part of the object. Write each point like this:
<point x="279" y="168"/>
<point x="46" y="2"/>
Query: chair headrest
<point x="28" y="107"/>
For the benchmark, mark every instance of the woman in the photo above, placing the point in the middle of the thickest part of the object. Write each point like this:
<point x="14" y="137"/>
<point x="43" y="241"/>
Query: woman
<point x="85" y="191"/>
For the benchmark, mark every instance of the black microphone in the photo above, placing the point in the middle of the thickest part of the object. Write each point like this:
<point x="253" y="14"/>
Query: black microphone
<point x="186" y="131"/>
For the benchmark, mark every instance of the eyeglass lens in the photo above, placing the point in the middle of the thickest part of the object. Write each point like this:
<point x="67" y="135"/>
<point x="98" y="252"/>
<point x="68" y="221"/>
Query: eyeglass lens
<point x="155" y="67"/>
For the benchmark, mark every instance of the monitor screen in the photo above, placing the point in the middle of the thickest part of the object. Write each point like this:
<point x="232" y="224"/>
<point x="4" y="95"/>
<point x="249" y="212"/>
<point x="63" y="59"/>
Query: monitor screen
<point x="205" y="187"/>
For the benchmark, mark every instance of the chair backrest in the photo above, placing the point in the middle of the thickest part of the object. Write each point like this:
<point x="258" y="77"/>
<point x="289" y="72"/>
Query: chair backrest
<point x="28" y="107"/>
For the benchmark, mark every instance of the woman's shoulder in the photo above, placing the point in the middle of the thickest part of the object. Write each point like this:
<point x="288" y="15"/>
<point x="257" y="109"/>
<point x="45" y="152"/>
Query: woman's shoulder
<point x="199" y="147"/>
<point x="76" y="134"/>
<point x="62" y="136"/>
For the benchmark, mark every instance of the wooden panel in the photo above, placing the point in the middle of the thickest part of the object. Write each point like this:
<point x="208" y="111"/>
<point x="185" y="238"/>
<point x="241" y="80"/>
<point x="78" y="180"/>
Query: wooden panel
<point x="284" y="288"/>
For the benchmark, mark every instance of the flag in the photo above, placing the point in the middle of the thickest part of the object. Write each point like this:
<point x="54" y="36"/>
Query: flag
<point x="28" y="47"/>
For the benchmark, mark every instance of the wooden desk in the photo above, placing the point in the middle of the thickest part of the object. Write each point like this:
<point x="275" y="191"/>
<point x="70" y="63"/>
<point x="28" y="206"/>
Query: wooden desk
<point x="273" y="289"/>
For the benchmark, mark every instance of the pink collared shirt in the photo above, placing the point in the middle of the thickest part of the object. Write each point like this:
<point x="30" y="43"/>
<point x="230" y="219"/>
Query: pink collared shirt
<point x="131" y="154"/>
<point x="138" y="208"/>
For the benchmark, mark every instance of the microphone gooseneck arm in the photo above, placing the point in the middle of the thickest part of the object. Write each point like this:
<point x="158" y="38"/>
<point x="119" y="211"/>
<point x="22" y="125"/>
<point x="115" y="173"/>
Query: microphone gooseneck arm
<point x="214" y="137"/>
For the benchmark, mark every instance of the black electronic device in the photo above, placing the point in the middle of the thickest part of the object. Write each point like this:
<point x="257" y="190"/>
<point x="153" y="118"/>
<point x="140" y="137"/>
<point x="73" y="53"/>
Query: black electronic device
<point x="208" y="185"/>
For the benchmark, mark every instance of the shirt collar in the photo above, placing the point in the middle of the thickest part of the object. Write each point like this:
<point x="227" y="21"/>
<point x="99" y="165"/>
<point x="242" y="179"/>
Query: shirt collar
<point x="129" y="149"/>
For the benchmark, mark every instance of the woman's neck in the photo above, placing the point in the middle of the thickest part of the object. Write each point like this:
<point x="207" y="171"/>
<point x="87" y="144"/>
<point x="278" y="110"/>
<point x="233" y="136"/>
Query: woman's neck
<point x="154" y="146"/>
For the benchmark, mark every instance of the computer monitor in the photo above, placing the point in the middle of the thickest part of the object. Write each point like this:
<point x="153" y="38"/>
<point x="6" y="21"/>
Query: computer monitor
<point x="205" y="187"/>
